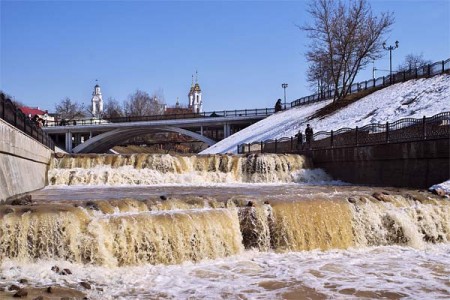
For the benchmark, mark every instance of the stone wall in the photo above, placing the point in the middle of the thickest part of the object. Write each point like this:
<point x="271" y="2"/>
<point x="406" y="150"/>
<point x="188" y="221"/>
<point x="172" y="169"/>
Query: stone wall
<point x="417" y="164"/>
<point x="23" y="162"/>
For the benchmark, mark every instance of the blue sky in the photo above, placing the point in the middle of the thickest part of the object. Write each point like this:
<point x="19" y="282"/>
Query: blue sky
<point x="243" y="50"/>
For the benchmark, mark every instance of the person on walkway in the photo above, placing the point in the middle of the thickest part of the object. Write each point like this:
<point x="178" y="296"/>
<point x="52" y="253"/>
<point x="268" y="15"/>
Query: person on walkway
<point x="299" y="138"/>
<point x="278" y="106"/>
<point x="309" y="134"/>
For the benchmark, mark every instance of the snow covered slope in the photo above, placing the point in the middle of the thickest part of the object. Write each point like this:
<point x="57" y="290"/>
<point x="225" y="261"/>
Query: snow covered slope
<point x="414" y="98"/>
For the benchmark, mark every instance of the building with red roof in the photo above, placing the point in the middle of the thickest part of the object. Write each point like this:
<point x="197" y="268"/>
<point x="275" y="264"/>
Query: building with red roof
<point x="32" y="112"/>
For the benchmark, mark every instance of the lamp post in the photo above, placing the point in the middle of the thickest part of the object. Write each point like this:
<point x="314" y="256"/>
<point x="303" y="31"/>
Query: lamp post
<point x="373" y="70"/>
<point x="284" y="86"/>
<point x="390" y="48"/>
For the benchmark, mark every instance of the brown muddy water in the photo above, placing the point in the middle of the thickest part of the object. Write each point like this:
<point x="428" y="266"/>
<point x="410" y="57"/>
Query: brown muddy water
<point x="227" y="227"/>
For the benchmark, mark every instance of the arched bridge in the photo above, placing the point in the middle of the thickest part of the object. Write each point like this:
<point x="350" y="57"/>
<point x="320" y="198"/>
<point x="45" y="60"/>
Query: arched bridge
<point x="97" y="136"/>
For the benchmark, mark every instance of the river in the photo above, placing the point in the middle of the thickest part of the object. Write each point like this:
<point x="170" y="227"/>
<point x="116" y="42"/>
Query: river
<point x="224" y="227"/>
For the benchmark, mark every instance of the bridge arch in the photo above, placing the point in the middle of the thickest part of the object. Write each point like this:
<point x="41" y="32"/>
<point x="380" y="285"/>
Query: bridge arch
<point x="105" y="141"/>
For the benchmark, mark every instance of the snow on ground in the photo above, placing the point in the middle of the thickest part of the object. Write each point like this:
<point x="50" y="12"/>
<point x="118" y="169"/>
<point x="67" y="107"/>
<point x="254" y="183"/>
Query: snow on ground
<point x="281" y="124"/>
<point x="445" y="186"/>
<point x="414" y="98"/>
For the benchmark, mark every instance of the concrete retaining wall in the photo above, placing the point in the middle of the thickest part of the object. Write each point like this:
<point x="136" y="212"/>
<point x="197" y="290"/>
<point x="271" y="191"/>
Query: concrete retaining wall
<point x="23" y="162"/>
<point x="417" y="164"/>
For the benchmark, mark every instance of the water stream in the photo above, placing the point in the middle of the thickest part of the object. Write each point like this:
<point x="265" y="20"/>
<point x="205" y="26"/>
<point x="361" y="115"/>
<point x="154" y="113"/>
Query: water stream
<point x="222" y="226"/>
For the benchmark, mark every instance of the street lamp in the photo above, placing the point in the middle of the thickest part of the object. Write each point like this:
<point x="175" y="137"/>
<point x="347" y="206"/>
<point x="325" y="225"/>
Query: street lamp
<point x="390" y="48"/>
<point x="373" y="70"/>
<point x="284" y="86"/>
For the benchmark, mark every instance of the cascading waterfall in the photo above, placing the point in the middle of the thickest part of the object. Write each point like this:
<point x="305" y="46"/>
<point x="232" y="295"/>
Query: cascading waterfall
<point x="410" y="220"/>
<point x="117" y="234"/>
<point x="304" y="225"/>
<point x="170" y="229"/>
<point x="149" y="169"/>
<point x="134" y="232"/>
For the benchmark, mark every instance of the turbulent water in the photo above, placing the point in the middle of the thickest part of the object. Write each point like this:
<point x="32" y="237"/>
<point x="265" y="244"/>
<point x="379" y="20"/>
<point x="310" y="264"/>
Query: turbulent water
<point x="145" y="169"/>
<point x="250" y="228"/>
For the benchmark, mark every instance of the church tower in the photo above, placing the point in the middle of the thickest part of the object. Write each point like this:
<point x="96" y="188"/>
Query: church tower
<point x="97" y="101"/>
<point x="195" y="96"/>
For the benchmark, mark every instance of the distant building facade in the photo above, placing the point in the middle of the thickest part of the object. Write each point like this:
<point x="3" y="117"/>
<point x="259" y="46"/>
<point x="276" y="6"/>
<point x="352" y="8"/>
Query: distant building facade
<point x="36" y="112"/>
<point x="178" y="109"/>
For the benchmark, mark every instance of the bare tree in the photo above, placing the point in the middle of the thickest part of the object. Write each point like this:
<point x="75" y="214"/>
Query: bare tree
<point x="159" y="95"/>
<point x="112" y="109"/>
<point x="344" y="39"/>
<point x="141" y="104"/>
<point x="413" y="61"/>
<point x="319" y="78"/>
<point x="158" y="101"/>
<point x="68" y="109"/>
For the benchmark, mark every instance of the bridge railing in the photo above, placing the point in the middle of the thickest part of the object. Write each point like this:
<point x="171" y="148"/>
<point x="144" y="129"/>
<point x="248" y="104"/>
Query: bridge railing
<point x="14" y="116"/>
<point x="429" y="70"/>
<point x="403" y="130"/>
<point x="213" y="114"/>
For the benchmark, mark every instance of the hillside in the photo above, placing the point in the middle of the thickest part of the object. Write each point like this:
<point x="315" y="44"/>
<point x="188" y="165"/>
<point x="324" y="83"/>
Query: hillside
<point x="414" y="98"/>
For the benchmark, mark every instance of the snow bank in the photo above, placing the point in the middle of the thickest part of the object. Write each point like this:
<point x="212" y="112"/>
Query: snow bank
<point x="445" y="186"/>
<point x="414" y="98"/>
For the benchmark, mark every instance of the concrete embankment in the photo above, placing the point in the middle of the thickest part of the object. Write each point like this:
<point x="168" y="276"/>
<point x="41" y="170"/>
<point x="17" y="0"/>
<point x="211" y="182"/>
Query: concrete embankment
<point x="417" y="164"/>
<point x="23" y="162"/>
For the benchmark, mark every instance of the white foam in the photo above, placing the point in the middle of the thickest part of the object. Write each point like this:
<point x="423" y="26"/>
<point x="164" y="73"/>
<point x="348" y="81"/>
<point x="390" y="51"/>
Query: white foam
<point x="315" y="177"/>
<point x="166" y="169"/>
<point x="127" y="175"/>
<point x="410" y="272"/>
<point x="173" y="211"/>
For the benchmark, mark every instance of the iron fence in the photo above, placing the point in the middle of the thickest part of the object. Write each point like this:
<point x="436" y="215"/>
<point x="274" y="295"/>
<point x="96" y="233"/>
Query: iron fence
<point x="403" y="130"/>
<point x="433" y="69"/>
<point x="14" y="116"/>
<point x="424" y="71"/>
<point x="214" y="114"/>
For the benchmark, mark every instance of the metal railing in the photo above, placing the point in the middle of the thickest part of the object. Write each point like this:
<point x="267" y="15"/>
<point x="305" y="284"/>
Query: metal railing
<point x="213" y="114"/>
<point x="14" y="116"/>
<point x="433" y="69"/>
<point x="425" y="71"/>
<point x="403" y="130"/>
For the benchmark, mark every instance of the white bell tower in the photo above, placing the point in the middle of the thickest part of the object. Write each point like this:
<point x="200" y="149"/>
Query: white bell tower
<point x="195" y="96"/>
<point x="97" y="101"/>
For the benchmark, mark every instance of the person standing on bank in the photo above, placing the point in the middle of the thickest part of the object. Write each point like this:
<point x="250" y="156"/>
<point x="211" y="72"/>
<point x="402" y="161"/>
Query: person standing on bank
<point x="278" y="106"/>
<point x="308" y="134"/>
